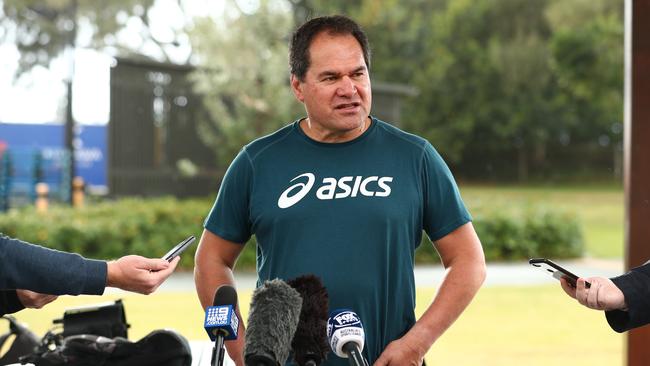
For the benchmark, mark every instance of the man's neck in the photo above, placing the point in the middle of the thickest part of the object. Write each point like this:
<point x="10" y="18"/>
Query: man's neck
<point x="332" y="136"/>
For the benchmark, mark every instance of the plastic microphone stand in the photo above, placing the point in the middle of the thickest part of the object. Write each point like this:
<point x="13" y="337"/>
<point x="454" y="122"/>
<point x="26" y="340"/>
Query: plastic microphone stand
<point x="217" y="352"/>
<point x="354" y="355"/>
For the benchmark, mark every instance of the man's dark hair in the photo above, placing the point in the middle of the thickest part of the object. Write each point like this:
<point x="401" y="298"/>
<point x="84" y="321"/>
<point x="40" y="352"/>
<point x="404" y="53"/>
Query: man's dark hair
<point x="336" y="25"/>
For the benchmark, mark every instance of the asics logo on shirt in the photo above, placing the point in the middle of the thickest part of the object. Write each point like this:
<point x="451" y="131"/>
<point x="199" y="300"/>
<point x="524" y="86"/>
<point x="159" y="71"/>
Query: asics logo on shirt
<point x="287" y="201"/>
<point x="333" y="188"/>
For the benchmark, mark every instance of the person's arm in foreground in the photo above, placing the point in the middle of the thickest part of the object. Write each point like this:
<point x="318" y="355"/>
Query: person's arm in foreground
<point x="463" y="258"/>
<point x="47" y="271"/>
<point x="139" y="274"/>
<point x="213" y="266"/>
<point x="625" y="299"/>
<point x="602" y="295"/>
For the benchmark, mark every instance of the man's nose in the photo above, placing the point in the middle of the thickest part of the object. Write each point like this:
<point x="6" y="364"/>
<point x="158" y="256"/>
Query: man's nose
<point x="346" y="87"/>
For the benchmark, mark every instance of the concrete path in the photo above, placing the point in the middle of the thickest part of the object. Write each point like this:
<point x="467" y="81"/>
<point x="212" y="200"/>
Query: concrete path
<point x="498" y="274"/>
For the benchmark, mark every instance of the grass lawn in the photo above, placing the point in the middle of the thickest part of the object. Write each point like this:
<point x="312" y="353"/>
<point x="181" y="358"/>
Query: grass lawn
<point x="600" y="210"/>
<point x="504" y="326"/>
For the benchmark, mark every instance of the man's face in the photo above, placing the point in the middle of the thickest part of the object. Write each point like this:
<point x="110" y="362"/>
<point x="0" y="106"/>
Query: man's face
<point x="336" y="88"/>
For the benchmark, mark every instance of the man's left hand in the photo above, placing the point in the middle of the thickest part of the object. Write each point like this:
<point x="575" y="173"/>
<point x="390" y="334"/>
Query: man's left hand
<point x="400" y="352"/>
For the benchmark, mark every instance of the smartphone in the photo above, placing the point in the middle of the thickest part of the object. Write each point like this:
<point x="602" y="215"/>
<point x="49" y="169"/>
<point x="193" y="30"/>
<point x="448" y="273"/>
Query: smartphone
<point x="178" y="249"/>
<point x="556" y="270"/>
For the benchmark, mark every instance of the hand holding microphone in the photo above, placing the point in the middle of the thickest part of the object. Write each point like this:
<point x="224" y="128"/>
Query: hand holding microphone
<point x="346" y="336"/>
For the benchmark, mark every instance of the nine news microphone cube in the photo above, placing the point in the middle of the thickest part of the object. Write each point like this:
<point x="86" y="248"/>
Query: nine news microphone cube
<point x="221" y="319"/>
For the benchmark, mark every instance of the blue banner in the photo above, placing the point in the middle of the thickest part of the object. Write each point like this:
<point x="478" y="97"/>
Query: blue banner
<point x="49" y="139"/>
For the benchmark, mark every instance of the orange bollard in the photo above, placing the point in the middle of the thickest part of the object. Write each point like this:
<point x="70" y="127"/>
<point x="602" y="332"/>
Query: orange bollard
<point x="42" y="190"/>
<point x="78" y="192"/>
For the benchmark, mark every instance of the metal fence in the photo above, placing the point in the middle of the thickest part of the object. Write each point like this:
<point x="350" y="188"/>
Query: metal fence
<point x="22" y="168"/>
<point x="153" y="131"/>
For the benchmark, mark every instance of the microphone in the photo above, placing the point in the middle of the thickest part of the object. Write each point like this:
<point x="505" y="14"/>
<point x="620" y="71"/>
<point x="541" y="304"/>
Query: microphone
<point x="309" y="344"/>
<point x="346" y="336"/>
<point x="272" y="321"/>
<point x="221" y="321"/>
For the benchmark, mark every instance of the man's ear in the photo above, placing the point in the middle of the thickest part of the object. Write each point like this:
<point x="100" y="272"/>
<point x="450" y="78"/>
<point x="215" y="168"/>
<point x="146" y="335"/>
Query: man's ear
<point x="296" y="87"/>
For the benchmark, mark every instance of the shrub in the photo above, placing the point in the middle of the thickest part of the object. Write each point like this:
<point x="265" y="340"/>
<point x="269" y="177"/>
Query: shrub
<point x="150" y="227"/>
<point x="112" y="229"/>
<point x="520" y="234"/>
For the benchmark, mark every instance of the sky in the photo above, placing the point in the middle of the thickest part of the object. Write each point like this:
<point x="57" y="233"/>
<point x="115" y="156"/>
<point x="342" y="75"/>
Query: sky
<point x="39" y="96"/>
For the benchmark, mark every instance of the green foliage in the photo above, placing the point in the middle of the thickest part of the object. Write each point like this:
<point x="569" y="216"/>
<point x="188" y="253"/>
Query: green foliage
<point x="243" y="76"/>
<point x="509" y="89"/>
<point x="150" y="227"/>
<point x="42" y="30"/>
<point x="516" y="235"/>
<point x="110" y="230"/>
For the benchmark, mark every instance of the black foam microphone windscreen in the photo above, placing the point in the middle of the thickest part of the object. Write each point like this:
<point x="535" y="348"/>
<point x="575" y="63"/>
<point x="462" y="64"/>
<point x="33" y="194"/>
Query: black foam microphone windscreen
<point x="310" y="346"/>
<point x="225" y="295"/>
<point x="272" y="321"/>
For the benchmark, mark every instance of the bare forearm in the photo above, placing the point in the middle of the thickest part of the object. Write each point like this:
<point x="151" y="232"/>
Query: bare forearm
<point x="207" y="281"/>
<point x="211" y="270"/>
<point x="208" y="277"/>
<point x="461" y="283"/>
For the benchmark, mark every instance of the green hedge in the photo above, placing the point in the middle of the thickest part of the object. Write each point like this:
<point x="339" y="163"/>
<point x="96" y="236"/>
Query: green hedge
<point x="538" y="232"/>
<point x="112" y="229"/>
<point x="150" y="227"/>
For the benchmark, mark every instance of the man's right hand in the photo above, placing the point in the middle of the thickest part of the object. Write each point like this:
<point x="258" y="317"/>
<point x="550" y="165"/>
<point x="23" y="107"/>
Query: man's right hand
<point x="602" y="295"/>
<point x="139" y="274"/>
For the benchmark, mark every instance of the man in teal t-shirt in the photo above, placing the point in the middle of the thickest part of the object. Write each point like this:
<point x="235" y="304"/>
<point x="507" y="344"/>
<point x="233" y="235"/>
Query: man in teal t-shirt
<point x="346" y="197"/>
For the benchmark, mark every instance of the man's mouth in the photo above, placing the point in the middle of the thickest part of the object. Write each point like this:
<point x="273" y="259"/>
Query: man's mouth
<point x="352" y="105"/>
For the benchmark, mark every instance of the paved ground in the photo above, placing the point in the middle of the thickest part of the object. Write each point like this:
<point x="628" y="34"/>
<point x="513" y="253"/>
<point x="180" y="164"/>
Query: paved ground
<point x="499" y="274"/>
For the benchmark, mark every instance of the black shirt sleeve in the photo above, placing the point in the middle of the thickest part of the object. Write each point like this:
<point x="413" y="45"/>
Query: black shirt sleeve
<point x="635" y="285"/>
<point x="9" y="302"/>
<point x="32" y="267"/>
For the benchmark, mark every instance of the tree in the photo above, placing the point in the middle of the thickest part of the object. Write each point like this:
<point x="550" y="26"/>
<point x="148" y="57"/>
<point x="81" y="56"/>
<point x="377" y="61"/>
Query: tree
<point x="587" y="49"/>
<point x="509" y="81"/>
<point x="243" y="75"/>
<point x="43" y="29"/>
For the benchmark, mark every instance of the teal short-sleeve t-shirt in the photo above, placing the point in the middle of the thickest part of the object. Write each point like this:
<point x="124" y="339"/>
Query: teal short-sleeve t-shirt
<point x="350" y="213"/>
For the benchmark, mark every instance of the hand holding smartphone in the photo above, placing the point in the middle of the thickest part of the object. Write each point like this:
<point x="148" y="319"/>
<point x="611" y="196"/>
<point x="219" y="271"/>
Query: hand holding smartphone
<point x="556" y="270"/>
<point x="178" y="249"/>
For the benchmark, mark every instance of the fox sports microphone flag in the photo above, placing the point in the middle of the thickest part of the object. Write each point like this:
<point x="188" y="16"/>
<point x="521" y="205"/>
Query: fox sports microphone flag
<point x="346" y="335"/>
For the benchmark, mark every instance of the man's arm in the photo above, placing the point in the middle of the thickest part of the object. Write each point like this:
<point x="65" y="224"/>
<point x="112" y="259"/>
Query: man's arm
<point x="213" y="266"/>
<point x="462" y="256"/>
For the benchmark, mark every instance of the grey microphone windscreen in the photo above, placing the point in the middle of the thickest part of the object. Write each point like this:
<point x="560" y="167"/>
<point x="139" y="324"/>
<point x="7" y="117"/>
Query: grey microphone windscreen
<point x="272" y="321"/>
